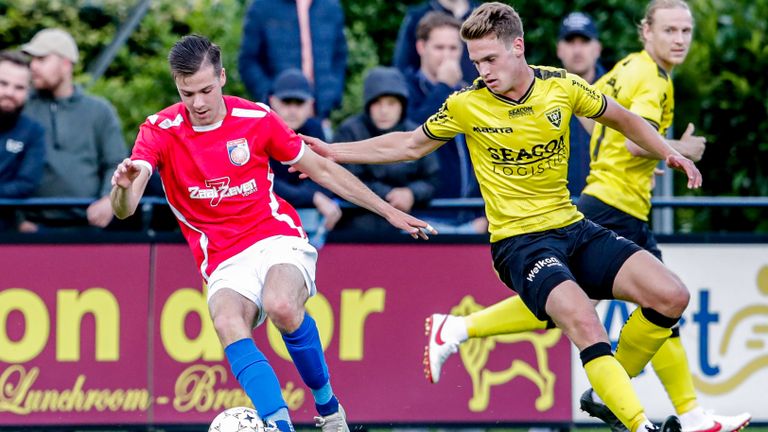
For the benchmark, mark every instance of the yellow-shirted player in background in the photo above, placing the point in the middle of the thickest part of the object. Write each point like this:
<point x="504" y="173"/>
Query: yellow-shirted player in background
<point x="515" y="118"/>
<point x="618" y="197"/>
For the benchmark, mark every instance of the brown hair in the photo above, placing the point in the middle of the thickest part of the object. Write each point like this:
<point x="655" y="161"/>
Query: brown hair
<point x="434" y="20"/>
<point x="653" y="6"/>
<point x="493" y="18"/>
<point x="14" y="57"/>
<point x="191" y="53"/>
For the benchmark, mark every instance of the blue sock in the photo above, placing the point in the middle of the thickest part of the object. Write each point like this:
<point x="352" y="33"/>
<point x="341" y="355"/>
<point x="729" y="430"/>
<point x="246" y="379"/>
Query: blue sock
<point x="256" y="376"/>
<point x="282" y="420"/>
<point x="304" y="347"/>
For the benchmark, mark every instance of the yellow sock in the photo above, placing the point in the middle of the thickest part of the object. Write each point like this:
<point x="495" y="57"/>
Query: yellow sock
<point x="611" y="382"/>
<point x="671" y="365"/>
<point x="639" y="341"/>
<point x="507" y="316"/>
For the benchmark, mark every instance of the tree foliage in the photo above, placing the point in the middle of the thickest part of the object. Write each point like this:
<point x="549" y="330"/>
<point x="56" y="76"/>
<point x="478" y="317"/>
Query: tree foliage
<point x="721" y="88"/>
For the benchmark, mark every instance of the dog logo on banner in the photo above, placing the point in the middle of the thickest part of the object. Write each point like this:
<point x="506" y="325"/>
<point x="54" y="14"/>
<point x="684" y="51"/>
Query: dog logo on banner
<point x="239" y="153"/>
<point x="475" y="354"/>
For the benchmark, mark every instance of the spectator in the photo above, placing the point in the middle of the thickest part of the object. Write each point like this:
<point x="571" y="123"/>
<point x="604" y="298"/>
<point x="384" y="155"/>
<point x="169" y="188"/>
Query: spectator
<point x="23" y="147"/>
<point x="293" y="101"/>
<point x="404" y="185"/>
<point x="303" y="34"/>
<point x="83" y="138"/>
<point x="440" y="47"/>
<point x="406" y="57"/>
<point x="578" y="48"/>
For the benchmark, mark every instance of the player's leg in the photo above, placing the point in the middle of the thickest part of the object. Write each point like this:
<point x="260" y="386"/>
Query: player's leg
<point x="446" y="332"/>
<point x="288" y="284"/>
<point x="661" y="298"/>
<point x="536" y="267"/>
<point x="233" y="318"/>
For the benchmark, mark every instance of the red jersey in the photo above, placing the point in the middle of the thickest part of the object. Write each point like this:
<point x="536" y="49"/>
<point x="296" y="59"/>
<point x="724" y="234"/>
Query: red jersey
<point x="217" y="178"/>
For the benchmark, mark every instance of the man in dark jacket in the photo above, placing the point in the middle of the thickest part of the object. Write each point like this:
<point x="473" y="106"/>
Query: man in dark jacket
<point x="440" y="48"/>
<point x="405" y="185"/>
<point x="22" y="141"/>
<point x="303" y="34"/>
<point x="293" y="101"/>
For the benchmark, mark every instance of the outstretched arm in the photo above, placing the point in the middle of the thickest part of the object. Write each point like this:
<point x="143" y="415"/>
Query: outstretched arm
<point x="334" y="177"/>
<point x="128" y="183"/>
<point x="391" y="147"/>
<point x="637" y="130"/>
<point x="689" y="145"/>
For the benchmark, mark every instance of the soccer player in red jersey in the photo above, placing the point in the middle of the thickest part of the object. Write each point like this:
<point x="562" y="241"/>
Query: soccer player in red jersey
<point x="212" y="152"/>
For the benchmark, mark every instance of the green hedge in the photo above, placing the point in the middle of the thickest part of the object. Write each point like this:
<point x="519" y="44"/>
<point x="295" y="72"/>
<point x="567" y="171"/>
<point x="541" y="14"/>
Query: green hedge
<point x="722" y="87"/>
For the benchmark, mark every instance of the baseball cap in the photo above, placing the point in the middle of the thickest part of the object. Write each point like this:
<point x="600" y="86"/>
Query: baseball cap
<point x="52" y="41"/>
<point x="292" y="84"/>
<point x="578" y="24"/>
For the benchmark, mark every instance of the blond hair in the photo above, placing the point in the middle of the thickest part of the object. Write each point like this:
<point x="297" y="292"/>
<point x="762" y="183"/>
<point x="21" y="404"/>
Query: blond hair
<point x="494" y="18"/>
<point x="653" y="6"/>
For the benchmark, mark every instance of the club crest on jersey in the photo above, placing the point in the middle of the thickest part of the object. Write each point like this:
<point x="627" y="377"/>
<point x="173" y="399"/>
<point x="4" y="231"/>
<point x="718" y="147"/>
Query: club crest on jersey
<point x="239" y="153"/>
<point x="554" y="116"/>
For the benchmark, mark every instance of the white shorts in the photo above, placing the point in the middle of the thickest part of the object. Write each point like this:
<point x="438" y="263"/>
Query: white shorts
<point x="245" y="272"/>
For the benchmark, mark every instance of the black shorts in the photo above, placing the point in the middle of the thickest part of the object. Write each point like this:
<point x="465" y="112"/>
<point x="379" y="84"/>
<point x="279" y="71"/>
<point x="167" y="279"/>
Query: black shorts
<point x="534" y="264"/>
<point x="619" y="222"/>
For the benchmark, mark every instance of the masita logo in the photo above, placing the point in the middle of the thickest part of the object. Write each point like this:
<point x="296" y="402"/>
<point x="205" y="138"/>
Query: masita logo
<point x="492" y="130"/>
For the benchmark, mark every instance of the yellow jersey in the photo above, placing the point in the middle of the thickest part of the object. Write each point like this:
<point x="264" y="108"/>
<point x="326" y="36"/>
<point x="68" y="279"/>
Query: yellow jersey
<point x="520" y="148"/>
<point x="615" y="176"/>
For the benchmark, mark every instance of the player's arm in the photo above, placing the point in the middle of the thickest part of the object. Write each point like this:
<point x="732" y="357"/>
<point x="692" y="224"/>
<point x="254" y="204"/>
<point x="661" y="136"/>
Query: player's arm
<point x="640" y="132"/>
<point x="689" y="145"/>
<point x="128" y="184"/>
<point x="336" y="178"/>
<point x="391" y="147"/>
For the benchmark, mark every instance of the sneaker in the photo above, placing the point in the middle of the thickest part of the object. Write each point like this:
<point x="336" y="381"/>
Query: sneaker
<point x="733" y="423"/>
<point x="671" y="424"/>
<point x="437" y="350"/>
<point x="602" y="412"/>
<point x="336" y="422"/>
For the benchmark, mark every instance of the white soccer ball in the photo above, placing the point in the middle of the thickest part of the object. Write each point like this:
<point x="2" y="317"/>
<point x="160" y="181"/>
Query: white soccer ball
<point x="239" y="419"/>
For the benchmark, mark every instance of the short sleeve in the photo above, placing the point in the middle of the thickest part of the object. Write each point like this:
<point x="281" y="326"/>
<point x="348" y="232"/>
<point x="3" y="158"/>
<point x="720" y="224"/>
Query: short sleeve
<point x="587" y="100"/>
<point x="442" y="125"/>
<point x="648" y="101"/>
<point x="147" y="148"/>
<point x="283" y="144"/>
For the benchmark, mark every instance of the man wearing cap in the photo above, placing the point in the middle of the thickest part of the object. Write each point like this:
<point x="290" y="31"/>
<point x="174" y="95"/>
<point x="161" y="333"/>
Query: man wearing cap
<point x="579" y="49"/>
<point x="82" y="134"/>
<point x="405" y="185"/>
<point x="22" y="145"/>
<point x="292" y="100"/>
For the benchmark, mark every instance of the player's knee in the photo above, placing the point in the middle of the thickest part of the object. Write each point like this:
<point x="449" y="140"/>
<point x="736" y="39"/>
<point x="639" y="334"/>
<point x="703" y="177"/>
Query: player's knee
<point x="284" y="313"/>
<point x="674" y="298"/>
<point x="228" y="324"/>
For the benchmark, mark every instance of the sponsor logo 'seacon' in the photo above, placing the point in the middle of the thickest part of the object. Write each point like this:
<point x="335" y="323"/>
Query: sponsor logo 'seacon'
<point x="520" y="111"/>
<point x="492" y="130"/>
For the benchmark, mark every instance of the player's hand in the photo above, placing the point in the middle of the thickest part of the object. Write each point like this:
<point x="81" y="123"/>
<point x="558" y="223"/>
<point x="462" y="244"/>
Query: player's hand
<point x="328" y="208"/>
<point x="318" y="146"/>
<point x="401" y="198"/>
<point x="125" y="174"/>
<point x="681" y="163"/>
<point x="100" y="212"/>
<point x="692" y="146"/>
<point x="416" y="227"/>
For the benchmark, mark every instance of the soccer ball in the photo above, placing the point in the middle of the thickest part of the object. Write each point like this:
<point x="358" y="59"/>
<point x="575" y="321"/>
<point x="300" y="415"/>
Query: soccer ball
<point x="239" y="419"/>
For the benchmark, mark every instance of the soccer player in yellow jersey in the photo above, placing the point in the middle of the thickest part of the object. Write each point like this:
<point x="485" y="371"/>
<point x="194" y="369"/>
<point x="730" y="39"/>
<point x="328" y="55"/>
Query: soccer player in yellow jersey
<point x="515" y="118"/>
<point x="617" y="196"/>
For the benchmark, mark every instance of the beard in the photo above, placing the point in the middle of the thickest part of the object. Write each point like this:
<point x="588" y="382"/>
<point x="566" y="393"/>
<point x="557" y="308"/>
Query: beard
<point x="8" y="119"/>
